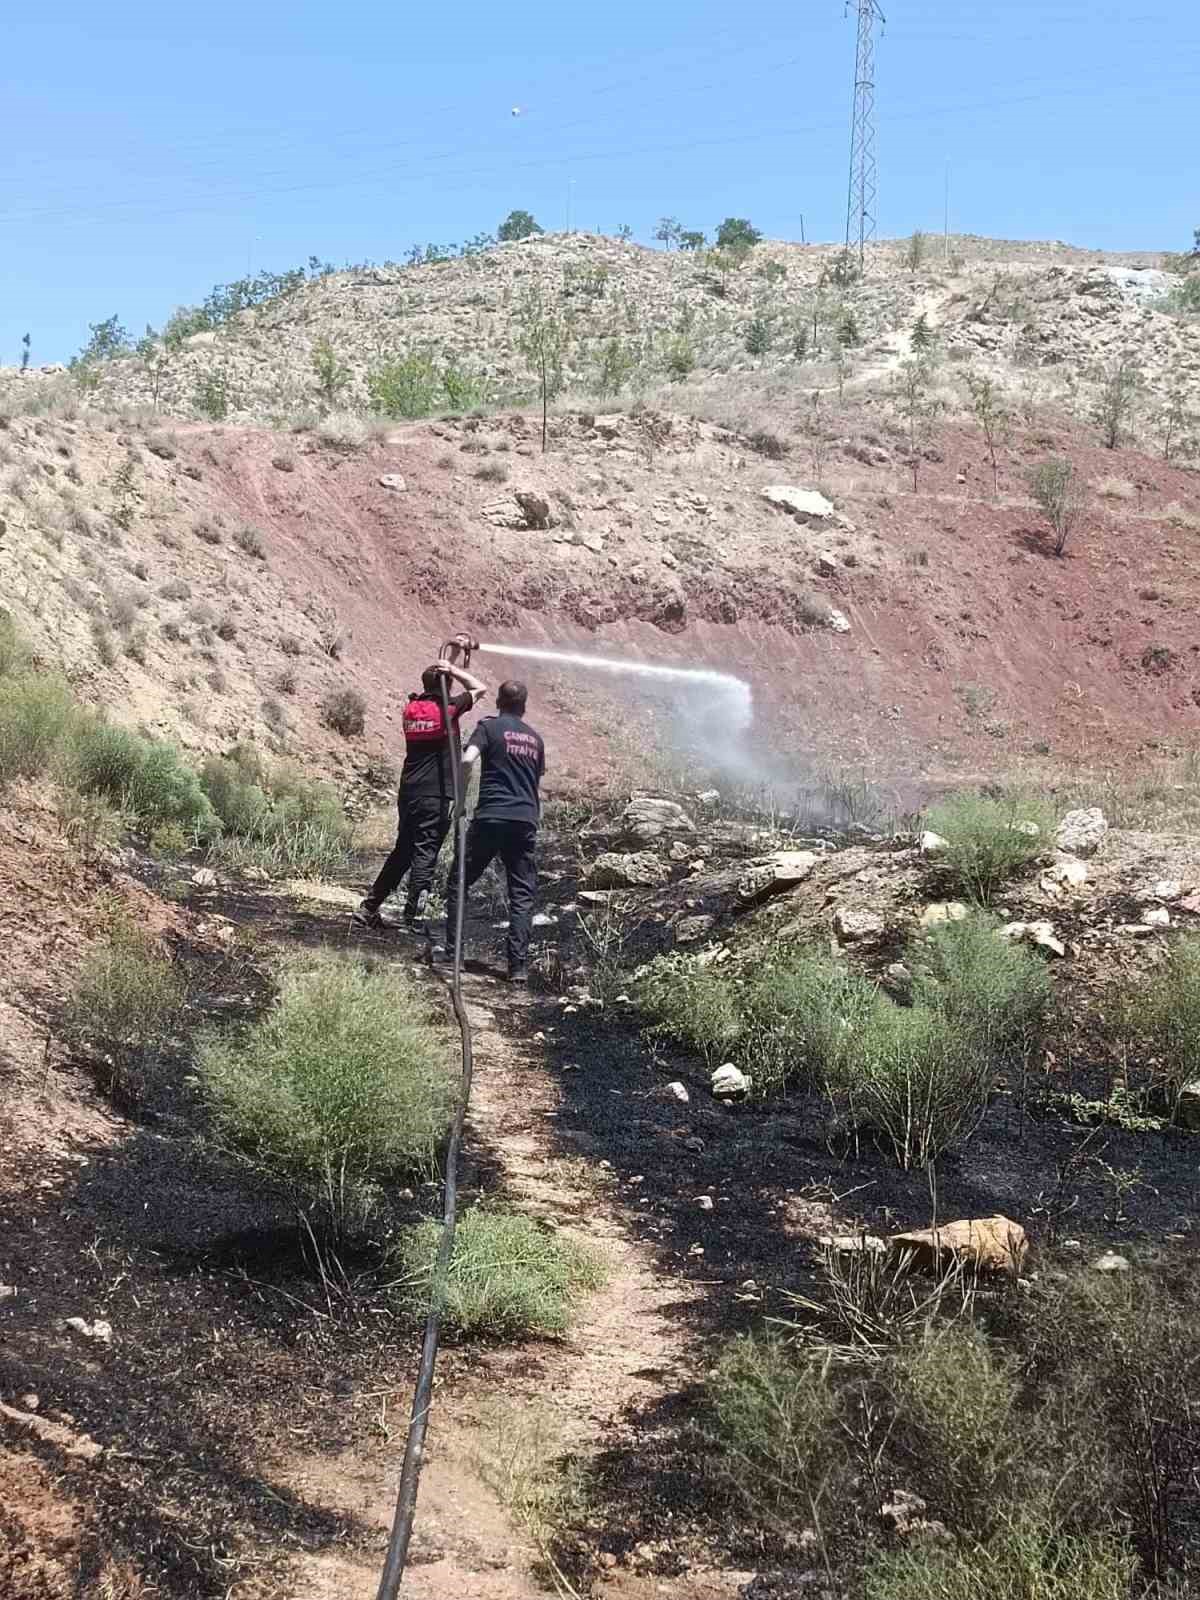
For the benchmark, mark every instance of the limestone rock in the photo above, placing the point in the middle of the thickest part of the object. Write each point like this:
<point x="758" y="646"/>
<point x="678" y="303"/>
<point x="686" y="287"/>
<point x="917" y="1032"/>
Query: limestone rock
<point x="688" y="930"/>
<point x="1040" y="933"/>
<point x="806" y="505"/>
<point x="1081" y="833"/>
<point x="858" y="927"/>
<point x="646" y="818"/>
<point x="678" y="1091"/>
<point x="838" y="620"/>
<point x="1156" y="916"/>
<point x="99" y="1332"/>
<point x="393" y="481"/>
<point x="639" y="869"/>
<point x="852" y="1244"/>
<point x="204" y="878"/>
<point x="730" y="1080"/>
<point x="932" y="844"/>
<point x="1168" y="889"/>
<point x="942" y="911"/>
<point x="989" y="1244"/>
<point x="679" y="851"/>
<point x="782" y="870"/>
<point x="1110" y="1261"/>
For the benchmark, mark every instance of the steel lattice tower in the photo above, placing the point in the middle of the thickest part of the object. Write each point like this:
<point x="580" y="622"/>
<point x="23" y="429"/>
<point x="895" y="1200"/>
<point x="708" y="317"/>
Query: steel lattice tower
<point x="864" y="183"/>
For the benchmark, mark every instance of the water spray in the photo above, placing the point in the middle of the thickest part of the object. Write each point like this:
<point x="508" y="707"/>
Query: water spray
<point x="734" y="691"/>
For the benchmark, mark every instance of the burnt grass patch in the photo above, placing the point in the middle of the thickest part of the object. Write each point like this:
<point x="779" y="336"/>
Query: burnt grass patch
<point x="237" y="1342"/>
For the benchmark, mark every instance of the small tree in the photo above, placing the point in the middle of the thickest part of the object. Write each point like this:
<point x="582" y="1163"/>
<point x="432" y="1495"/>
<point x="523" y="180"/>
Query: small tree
<point x="800" y="342"/>
<point x="668" y="232"/>
<point x="736" y="232"/>
<point x="681" y="358"/>
<point x="918" y="406"/>
<point x="615" y="365"/>
<point x="24" y="352"/>
<point x="1118" y="400"/>
<point x="814" y="426"/>
<point x="1174" y="420"/>
<point x="990" y="412"/>
<point x="758" y="336"/>
<point x="721" y="263"/>
<point x="692" y="239"/>
<point x="517" y="225"/>
<point x="624" y="232"/>
<point x="108" y="339"/>
<point x="915" y="251"/>
<point x="155" y="360"/>
<point x="544" y="340"/>
<point x="1056" y="488"/>
<point x="922" y="337"/>
<point x="331" y="375"/>
<point x="848" y="335"/>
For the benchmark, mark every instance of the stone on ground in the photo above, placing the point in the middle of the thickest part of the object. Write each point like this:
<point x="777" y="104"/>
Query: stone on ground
<point x="806" y="505"/>
<point x="942" y="911"/>
<point x="988" y="1244"/>
<point x="639" y="869"/>
<point x="730" y="1080"/>
<point x="646" y="818"/>
<point x="1110" y="1261"/>
<point x="780" y="871"/>
<point x="858" y="927"/>
<point x="932" y="844"/>
<point x="1081" y="833"/>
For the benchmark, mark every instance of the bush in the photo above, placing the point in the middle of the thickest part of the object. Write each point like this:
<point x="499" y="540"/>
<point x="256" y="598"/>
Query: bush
<point x="517" y="225"/>
<point x="735" y="233"/>
<point x="987" y="840"/>
<point x="35" y="714"/>
<point x="125" y="1002"/>
<point x="1058" y="491"/>
<point x="957" y="1425"/>
<point x="1025" y="1560"/>
<point x="690" y="1003"/>
<point x="492" y="472"/>
<point x="251" y="541"/>
<point x="510" y="1277"/>
<point x="274" y="818"/>
<point x="146" y="778"/>
<point x="345" y="711"/>
<point x="1165" y="1012"/>
<point x="15" y="654"/>
<point x="998" y="993"/>
<point x="798" y="1013"/>
<point x="342" y="1085"/>
<point x="775" y="1416"/>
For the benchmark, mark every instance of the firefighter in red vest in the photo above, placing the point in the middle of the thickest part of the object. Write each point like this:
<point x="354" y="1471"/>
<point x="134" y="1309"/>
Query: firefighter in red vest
<point x="426" y="800"/>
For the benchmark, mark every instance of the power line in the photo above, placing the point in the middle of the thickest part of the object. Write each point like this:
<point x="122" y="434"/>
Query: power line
<point x="864" y="178"/>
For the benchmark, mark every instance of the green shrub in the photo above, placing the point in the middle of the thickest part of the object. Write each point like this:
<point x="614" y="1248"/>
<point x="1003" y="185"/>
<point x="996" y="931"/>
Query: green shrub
<point x="345" y="711"/>
<point x="690" y="1003"/>
<point x="997" y="992"/>
<point x="36" y="713"/>
<point x="125" y="1003"/>
<point x="1165" y="1013"/>
<point x="957" y="1425"/>
<point x="987" y="840"/>
<point x="15" y="654"/>
<point x="1025" y="1560"/>
<point x="342" y="1085"/>
<point x="916" y="1077"/>
<point x="274" y="818"/>
<point x="145" y="777"/>
<point x="775" y="1414"/>
<point x="798" y="1014"/>
<point x="509" y="1276"/>
<point x="89" y="823"/>
<point x="408" y="387"/>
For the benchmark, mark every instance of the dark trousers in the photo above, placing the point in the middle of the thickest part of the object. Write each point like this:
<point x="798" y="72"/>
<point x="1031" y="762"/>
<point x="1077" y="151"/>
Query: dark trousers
<point x="514" y="843"/>
<point x="424" y="824"/>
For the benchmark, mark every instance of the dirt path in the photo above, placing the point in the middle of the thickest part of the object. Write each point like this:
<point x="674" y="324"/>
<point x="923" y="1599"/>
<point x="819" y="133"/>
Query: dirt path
<point x="623" y="1351"/>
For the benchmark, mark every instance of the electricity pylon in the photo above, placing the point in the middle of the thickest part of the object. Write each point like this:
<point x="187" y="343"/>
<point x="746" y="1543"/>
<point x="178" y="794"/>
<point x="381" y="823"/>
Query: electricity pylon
<point x="864" y="183"/>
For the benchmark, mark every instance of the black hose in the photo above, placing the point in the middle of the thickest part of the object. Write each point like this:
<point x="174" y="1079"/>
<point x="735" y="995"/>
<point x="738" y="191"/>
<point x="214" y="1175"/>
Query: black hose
<point x="422" y="1401"/>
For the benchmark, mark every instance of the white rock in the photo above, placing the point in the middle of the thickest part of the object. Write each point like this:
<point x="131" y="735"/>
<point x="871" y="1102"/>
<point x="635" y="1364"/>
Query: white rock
<point x="1187" y="1114"/>
<point x="646" y="818"/>
<point x="1110" y="1261"/>
<point x="7" y="1291"/>
<point x="932" y="844"/>
<point x="394" y="482"/>
<point x="1039" y="933"/>
<point x="204" y="878"/>
<point x="1029" y="829"/>
<point x="1071" y="873"/>
<point x="782" y="870"/>
<point x="678" y="1091"/>
<point x="705" y="1202"/>
<point x="1156" y="916"/>
<point x="1168" y="889"/>
<point x="852" y="1243"/>
<point x="806" y="505"/>
<point x="1081" y="833"/>
<point x="730" y="1080"/>
<point x="838" y="621"/>
<point x="99" y="1331"/>
<point x="942" y="911"/>
<point x="852" y="926"/>
<point x="709" y="797"/>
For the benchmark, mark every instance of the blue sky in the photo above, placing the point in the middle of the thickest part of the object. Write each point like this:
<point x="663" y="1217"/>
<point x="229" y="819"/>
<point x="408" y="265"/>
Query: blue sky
<point x="152" y="150"/>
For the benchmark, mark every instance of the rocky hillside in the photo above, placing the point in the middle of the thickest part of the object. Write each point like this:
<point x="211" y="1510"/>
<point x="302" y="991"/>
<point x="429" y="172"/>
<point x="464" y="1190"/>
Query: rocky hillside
<point x="1047" y="318"/>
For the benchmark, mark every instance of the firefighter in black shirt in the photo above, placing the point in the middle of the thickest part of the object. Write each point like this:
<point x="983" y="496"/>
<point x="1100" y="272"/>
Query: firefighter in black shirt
<point x="426" y="800"/>
<point x="506" y="818"/>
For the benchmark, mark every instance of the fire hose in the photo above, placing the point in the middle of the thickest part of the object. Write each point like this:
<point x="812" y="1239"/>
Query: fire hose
<point x="422" y="1401"/>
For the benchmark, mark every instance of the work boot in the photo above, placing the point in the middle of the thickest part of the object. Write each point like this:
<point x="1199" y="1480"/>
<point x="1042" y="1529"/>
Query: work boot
<point x="518" y="974"/>
<point x="367" y="916"/>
